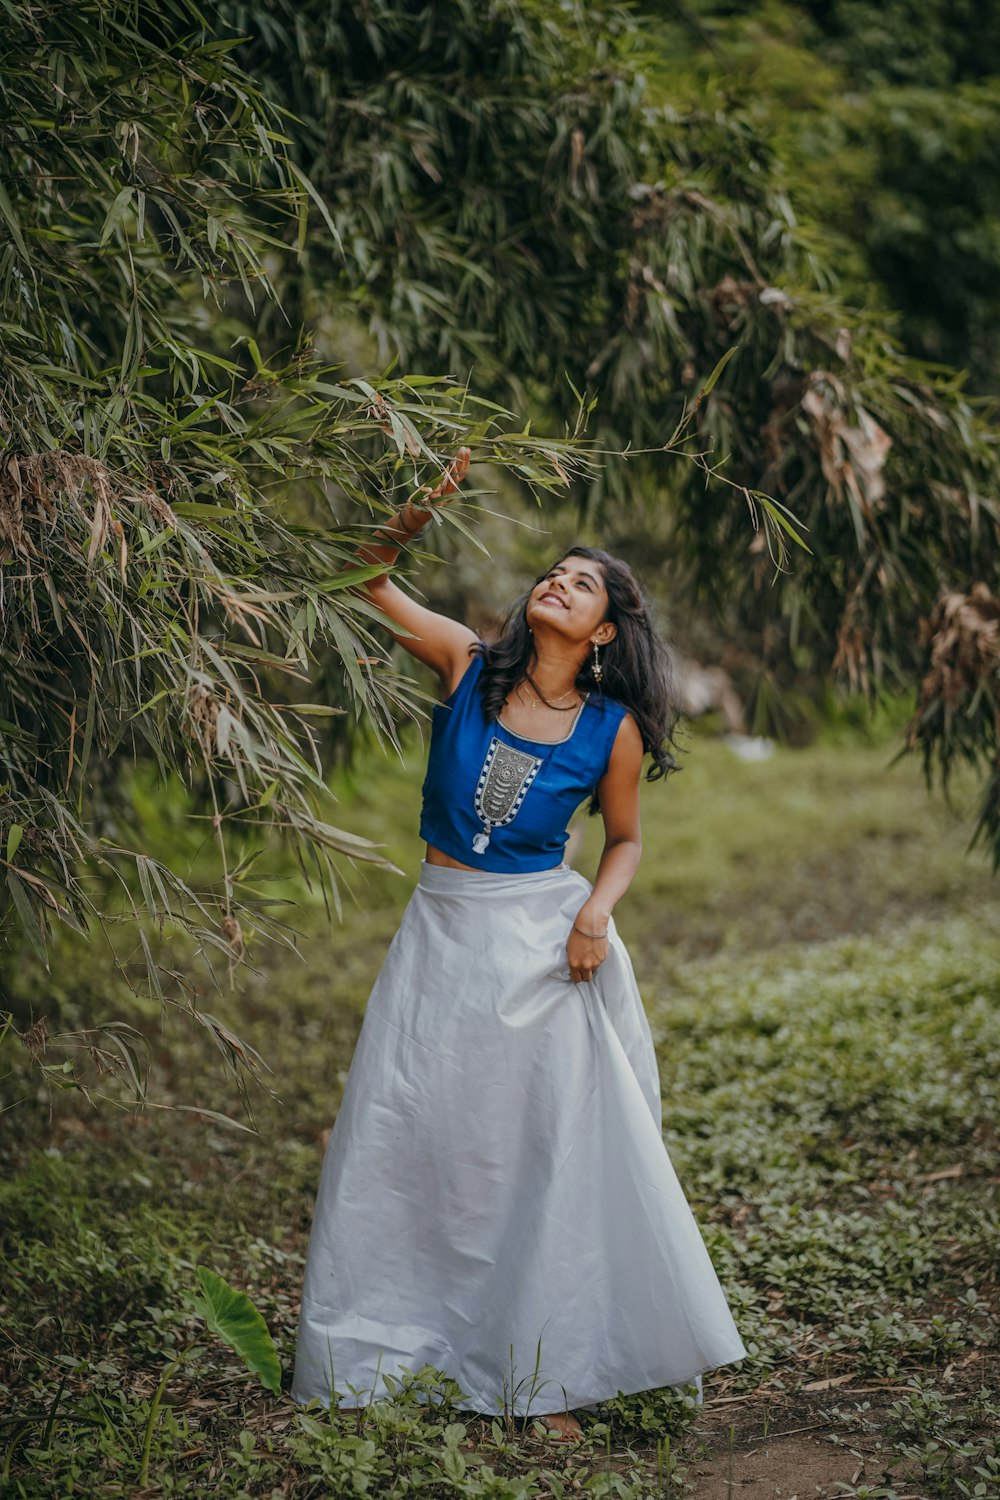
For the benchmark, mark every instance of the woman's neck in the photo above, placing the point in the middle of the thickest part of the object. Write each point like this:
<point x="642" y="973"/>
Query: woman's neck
<point x="553" y="671"/>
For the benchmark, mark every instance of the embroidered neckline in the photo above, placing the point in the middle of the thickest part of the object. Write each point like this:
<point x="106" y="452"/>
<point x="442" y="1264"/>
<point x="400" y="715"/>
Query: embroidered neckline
<point x="529" y="741"/>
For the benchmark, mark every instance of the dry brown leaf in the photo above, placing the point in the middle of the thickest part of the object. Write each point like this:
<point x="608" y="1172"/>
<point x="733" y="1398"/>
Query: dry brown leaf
<point x="851" y="456"/>
<point x="36" y="1037"/>
<point x="963" y="632"/>
<point x="35" y="486"/>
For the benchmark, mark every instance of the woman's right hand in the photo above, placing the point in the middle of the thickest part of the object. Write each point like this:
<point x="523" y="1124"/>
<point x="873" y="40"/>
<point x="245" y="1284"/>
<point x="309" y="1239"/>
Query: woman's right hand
<point x="420" y="504"/>
<point x="441" y="643"/>
<point x="454" y="474"/>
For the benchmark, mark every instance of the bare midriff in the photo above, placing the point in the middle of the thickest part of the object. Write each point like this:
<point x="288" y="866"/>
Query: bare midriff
<point x="436" y="857"/>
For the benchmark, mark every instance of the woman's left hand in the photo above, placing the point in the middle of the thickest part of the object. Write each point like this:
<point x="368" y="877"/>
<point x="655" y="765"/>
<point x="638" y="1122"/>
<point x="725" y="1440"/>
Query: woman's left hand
<point x="586" y="953"/>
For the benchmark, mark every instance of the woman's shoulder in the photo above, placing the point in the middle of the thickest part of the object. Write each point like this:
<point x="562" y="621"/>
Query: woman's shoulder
<point x="609" y="714"/>
<point x="606" y="730"/>
<point x="612" y="710"/>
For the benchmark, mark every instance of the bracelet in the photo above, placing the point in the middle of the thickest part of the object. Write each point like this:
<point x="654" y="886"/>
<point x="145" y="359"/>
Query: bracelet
<point x="589" y="934"/>
<point x="453" y="476"/>
<point x="411" y="534"/>
<point x="419" y="531"/>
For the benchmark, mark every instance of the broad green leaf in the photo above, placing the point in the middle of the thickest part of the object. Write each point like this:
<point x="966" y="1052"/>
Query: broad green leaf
<point x="230" y="1314"/>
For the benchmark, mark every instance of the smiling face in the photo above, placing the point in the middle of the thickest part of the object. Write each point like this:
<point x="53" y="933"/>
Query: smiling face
<point x="572" y="600"/>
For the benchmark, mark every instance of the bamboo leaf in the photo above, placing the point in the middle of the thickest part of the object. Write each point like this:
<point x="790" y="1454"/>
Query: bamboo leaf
<point x="351" y="577"/>
<point x="116" y="213"/>
<point x="775" y="510"/>
<point x="26" y="914"/>
<point x="10" y="218"/>
<point x="712" y="380"/>
<point x="302" y="179"/>
<point x="316" y="710"/>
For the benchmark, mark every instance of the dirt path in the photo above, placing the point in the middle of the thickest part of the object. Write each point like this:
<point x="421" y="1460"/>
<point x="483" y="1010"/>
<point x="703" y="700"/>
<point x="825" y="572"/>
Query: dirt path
<point x="782" y="1468"/>
<point x="818" y="1446"/>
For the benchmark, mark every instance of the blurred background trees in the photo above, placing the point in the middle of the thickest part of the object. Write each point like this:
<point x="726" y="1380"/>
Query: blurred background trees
<point x="886" y="118"/>
<point x="266" y="266"/>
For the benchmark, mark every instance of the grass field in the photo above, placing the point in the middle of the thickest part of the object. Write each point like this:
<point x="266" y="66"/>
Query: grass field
<point x="820" y="961"/>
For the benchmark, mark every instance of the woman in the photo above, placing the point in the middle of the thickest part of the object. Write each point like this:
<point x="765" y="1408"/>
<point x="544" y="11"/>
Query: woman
<point x="496" y="1199"/>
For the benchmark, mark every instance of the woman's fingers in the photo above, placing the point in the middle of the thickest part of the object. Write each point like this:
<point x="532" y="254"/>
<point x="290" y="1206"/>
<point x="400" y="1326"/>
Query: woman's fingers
<point x="580" y="976"/>
<point x="455" y="473"/>
<point x="584" y="955"/>
<point x="457" y="470"/>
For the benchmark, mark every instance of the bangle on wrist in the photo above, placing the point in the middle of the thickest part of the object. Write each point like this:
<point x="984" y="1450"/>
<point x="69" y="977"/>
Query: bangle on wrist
<point x="402" y="517"/>
<point x="584" y="933"/>
<point x="412" y="533"/>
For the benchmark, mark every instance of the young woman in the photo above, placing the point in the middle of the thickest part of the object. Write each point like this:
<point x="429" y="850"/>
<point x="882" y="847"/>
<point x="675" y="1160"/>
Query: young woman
<point x="496" y="1199"/>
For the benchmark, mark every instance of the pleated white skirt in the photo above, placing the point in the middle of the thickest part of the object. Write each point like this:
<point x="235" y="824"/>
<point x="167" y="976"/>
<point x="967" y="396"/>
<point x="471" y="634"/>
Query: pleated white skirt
<point x="496" y="1191"/>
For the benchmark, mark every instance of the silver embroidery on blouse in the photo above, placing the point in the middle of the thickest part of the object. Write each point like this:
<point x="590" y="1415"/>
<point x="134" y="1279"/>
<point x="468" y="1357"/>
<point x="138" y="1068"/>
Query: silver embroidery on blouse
<point x="505" y="778"/>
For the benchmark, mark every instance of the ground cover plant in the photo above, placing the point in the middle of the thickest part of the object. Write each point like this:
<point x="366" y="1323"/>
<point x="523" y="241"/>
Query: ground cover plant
<point x="819" y="959"/>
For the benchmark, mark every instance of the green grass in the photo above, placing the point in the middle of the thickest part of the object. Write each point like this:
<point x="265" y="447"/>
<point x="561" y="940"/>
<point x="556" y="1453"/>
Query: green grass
<point x="820" y="960"/>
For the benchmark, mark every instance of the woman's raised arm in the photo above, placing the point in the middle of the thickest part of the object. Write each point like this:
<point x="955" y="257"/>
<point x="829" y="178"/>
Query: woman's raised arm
<point x="434" y="639"/>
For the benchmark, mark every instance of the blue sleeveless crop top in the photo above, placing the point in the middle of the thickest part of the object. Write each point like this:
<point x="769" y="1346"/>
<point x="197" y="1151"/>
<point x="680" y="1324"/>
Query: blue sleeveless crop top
<point x="497" y="801"/>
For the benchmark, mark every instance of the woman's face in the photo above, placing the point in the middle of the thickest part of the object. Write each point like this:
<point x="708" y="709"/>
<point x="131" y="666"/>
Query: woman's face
<point x="572" y="600"/>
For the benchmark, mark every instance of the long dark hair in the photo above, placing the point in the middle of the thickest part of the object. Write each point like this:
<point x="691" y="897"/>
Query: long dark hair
<point x="638" y="665"/>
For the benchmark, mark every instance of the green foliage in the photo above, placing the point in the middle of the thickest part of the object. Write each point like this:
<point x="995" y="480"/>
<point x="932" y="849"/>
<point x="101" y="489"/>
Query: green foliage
<point x="176" y="510"/>
<point x="958" y="715"/>
<point x="931" y="228"/>
<point x="230" y="1313"/>
<point x="884" y="122"/>
<point x="885" y="118"/>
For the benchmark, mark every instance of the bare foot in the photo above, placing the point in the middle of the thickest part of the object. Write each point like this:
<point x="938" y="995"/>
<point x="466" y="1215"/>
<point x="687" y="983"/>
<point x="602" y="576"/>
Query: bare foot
<point x="563" y="1427"/>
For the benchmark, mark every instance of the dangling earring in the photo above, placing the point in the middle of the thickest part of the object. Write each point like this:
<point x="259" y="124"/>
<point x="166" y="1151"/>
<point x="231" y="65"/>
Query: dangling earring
<point x="596" y="668"/>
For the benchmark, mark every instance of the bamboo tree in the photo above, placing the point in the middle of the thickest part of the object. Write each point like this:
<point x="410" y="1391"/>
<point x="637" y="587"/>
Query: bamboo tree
<point x="165" y="588"/>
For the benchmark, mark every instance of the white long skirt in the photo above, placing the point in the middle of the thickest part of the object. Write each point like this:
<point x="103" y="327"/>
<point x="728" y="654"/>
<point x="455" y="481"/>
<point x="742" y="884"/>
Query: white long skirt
<point x="496" y="1195"/>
